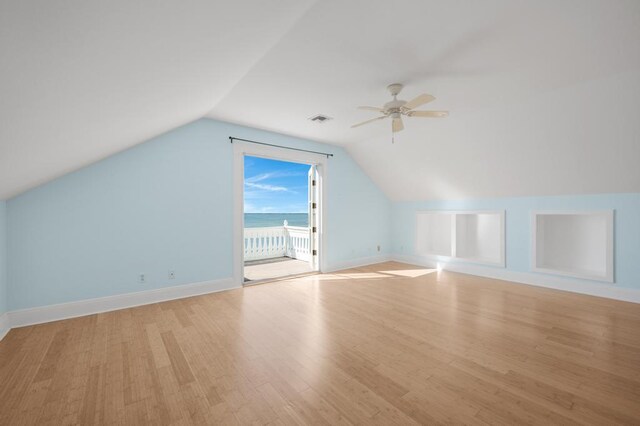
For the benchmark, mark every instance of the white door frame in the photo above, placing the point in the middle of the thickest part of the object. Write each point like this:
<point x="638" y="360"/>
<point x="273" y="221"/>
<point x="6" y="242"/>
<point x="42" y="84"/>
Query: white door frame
<point x="242" y="149"/>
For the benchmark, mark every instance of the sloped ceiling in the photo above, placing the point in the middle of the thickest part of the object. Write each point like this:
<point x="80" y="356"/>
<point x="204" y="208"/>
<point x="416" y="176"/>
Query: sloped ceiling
<point x="83" y="79"/>
<point x="544" y="96"/>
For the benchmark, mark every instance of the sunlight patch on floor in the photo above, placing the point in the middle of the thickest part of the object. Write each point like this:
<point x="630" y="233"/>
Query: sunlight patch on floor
<point x="362" y="275"/>
<point x="411" y="273"/>
<point x="320" y="277"/>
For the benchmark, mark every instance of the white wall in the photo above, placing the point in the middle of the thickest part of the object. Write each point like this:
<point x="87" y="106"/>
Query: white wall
<point x="479" y="236"/>
<point x="572" y="241"/>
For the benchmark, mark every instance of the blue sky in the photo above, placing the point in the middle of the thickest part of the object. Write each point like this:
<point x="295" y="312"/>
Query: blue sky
<point x="272" y="186"/>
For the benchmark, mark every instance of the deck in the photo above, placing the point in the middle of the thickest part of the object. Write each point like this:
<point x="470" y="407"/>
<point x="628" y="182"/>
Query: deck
<point x="258" y="270"/>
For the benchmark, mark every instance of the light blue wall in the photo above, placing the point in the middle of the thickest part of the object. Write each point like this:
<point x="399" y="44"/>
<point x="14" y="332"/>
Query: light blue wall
<point x="518" y="226"/>
<point x="3" y="257"/>
<point x="167" y="205"/>
<point x="163" y="205"/>
<point x="359" y="213"/>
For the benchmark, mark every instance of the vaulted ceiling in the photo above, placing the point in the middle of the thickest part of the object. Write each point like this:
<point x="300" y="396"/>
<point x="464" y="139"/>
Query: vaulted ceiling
<point x="544" y="96"/>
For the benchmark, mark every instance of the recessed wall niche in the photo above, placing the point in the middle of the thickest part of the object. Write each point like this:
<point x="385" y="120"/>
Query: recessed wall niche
<point x="574" y="244"/>
<point x="471" y="236"/>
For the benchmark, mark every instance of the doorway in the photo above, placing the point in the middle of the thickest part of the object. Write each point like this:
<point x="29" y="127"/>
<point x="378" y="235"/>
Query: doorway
<point x="280" y="213"/>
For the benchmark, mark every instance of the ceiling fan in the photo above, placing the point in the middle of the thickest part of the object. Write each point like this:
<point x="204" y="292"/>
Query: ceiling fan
<point x="397" y="108"/>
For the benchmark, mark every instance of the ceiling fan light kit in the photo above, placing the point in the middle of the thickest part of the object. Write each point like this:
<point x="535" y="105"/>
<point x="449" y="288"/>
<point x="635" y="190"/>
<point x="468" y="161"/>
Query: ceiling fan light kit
<point x="396" y="108"/>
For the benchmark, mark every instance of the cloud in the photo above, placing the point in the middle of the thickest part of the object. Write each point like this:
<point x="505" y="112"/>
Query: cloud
<point x="267" y="187"/>
<point x="258" y="178"/>
<point x="274" y="191"/>
<point x="271" y="175"/>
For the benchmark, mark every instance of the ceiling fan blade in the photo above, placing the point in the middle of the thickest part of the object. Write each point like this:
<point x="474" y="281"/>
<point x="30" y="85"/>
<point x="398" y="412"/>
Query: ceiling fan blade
<point x="397" y="125"/>
<point x="369" y="108"/>
<point x="419" y="100"/>
<point x="433" y="114"/>
<point x="369" y="121"/>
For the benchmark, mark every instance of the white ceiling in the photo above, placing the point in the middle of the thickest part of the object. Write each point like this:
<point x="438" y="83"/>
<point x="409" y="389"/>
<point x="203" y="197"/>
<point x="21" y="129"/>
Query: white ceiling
<point x="83" y="79"/>
<point x="544" y="95"/>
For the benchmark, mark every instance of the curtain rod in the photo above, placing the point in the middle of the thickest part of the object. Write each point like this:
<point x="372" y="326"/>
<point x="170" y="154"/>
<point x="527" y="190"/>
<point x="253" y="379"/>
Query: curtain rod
<point x="231" y="139"/>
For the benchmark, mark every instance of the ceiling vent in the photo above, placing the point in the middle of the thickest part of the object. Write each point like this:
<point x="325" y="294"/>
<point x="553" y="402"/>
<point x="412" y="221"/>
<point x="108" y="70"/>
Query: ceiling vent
<point x="320" y="118"/>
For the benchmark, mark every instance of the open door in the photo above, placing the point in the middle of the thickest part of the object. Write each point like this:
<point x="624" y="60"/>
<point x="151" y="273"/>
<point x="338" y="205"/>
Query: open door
<point x="314" y="198"/>
<point x="281" y="238"/>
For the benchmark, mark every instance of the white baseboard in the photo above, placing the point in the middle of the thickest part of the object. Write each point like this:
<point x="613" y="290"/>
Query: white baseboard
<point x="62" y="311"/>
<point x="4" y="325"/>
<point x="355" y="263"/>
<point x="609" y="291"/>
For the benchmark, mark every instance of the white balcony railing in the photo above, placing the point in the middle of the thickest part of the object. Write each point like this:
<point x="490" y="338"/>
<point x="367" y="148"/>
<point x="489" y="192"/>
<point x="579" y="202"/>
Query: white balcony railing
<point x="276" y="241"/>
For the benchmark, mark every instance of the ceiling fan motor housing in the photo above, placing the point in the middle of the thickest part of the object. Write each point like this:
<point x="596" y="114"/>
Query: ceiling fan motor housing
<point x="395" y="88"/>
<point x="394" y="105"/>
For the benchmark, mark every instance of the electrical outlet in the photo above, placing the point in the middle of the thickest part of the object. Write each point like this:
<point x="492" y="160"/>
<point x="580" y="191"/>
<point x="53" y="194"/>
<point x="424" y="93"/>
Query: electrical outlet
<point x="172" y="274"/>
<point x="141" y="278"/>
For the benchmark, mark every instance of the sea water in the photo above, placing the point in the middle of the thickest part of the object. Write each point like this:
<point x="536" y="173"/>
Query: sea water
<point x="261" y="220"/>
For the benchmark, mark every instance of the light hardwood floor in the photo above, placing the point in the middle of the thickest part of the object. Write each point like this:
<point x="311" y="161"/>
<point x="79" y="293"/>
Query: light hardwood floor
<point x="385" y="344"/>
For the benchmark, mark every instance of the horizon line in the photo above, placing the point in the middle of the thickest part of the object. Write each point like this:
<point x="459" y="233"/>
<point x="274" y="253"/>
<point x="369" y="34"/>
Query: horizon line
<point x="276" y="212"/>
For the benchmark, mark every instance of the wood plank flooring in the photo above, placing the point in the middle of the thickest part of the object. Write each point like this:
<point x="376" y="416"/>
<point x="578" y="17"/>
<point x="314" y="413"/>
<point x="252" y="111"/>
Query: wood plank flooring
<point x="385" y="344"/>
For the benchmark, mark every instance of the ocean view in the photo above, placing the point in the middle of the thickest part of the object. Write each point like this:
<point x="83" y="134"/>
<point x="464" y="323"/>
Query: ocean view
<point x="260" y="220"/>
